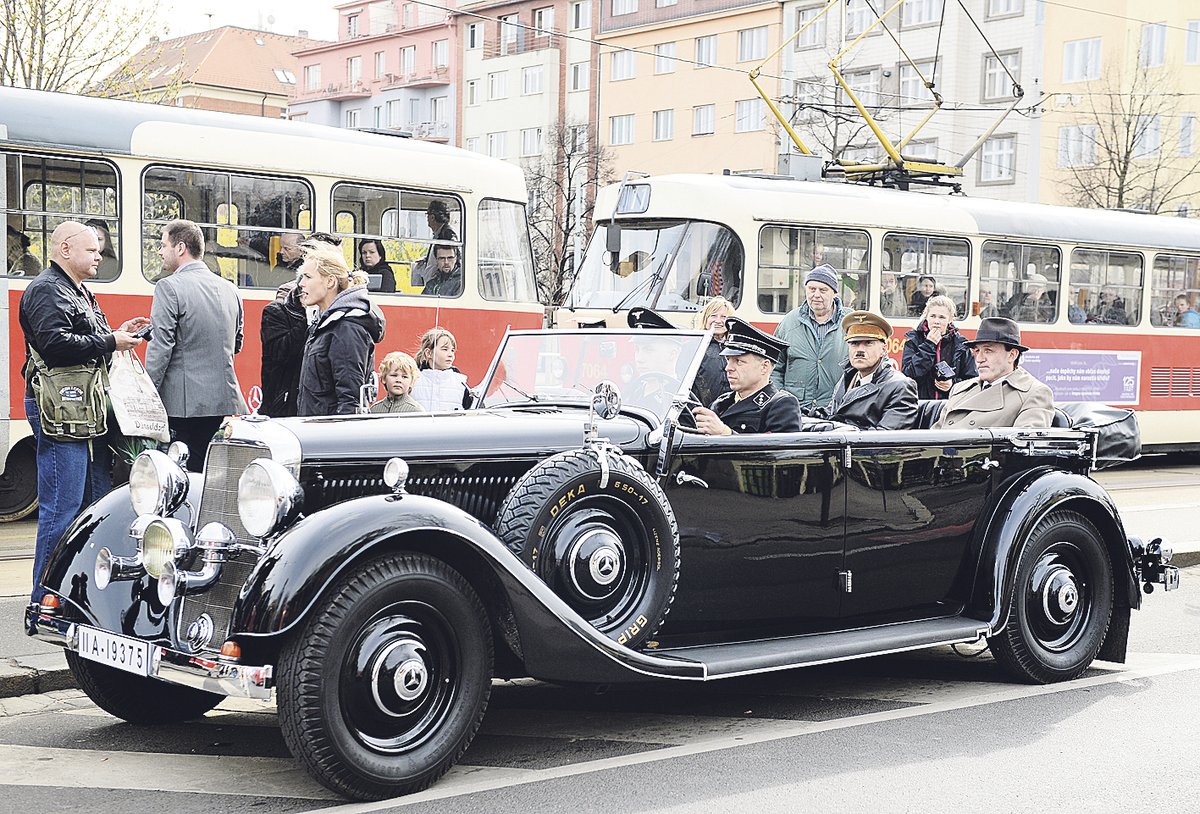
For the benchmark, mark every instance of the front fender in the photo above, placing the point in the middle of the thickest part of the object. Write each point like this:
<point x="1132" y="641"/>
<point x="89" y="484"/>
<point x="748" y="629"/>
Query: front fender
<point x="1023" y="502"/>
<point x="553" y="641"/>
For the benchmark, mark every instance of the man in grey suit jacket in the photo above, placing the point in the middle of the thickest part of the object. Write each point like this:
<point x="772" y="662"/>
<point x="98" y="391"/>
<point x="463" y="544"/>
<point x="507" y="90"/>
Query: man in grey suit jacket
<point x="1003" y="395"/>
<point x="197" y="321"/>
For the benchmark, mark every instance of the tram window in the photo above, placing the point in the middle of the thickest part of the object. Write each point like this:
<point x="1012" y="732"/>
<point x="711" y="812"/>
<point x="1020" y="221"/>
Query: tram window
<point x="1020" y="281"/>
<point x="708" y="263"/>
<point x="1175" y="291"/>
<point x="1106" y="287"/>
<point x="787" y="253"/>
<point x="41" y="193"/>
<point x="243" y="217"/>
<point x="924" y="267"/>
<point x="505" y="260"/>
<point x="407" y="223"/>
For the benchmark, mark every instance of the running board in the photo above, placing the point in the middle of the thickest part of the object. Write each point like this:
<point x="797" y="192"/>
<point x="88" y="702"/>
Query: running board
<point x="765" y="655"/>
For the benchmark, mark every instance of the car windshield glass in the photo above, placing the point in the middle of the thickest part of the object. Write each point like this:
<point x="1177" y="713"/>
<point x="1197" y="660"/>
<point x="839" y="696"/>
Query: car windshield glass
<point x="649" y="367"/>
<point x="646" y="251"/>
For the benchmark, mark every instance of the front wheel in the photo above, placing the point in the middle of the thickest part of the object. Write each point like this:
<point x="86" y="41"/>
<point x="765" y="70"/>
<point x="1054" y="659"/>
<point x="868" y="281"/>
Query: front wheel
<point x="137" y="699"/>
<point x="386" y="685"/>
<point x="1060" y="602"/>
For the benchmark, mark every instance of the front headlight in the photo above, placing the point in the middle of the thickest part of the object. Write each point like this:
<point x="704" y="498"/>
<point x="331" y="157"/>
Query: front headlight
<point x="157" y="485"/>
<point x="268" y="495"/>
<point x="163" y="540"/>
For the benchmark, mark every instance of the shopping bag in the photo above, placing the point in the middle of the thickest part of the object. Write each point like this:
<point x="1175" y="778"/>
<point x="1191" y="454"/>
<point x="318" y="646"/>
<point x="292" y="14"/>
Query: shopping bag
<point x="135" y="401"/>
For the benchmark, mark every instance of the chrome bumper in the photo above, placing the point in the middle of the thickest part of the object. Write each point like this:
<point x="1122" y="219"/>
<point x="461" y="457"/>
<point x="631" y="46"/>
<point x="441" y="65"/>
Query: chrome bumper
<point x="220" y="677"/>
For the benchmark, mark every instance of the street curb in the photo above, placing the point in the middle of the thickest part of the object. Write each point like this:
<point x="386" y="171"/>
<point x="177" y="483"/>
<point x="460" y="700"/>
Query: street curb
<point x="21" y="679"/>
<point x="1186" y="559"/>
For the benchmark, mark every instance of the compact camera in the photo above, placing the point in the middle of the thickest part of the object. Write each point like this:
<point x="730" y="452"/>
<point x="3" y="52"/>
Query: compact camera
<point x="943" y="371"/>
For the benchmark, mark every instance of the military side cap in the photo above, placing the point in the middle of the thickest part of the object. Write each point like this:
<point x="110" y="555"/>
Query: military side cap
<point x="866" y="325"/>
<point x="742" y="337"/>
<point x="646" y="318"/>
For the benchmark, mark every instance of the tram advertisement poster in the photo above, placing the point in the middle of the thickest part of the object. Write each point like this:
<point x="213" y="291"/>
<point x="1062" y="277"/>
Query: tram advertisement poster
<point x="1087" y="375"/>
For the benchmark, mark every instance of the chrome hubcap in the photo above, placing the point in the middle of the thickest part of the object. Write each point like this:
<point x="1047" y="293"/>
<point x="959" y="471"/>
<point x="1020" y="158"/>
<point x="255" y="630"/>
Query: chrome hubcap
<point x="1060" y="594"/>
<point x="400" y="671"/>
<point x="597" y="563"/>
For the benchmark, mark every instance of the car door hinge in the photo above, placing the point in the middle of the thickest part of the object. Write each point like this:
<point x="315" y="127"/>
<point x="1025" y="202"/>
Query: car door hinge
<point x="846" y="581"/>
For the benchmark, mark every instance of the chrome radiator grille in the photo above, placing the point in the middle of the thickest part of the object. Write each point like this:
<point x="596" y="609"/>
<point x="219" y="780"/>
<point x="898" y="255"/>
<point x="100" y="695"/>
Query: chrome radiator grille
<point x="218" y="503"/>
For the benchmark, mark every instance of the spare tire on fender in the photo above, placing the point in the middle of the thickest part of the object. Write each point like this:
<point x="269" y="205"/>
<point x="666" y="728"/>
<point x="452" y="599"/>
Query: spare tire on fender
<point x="609" y="547"/>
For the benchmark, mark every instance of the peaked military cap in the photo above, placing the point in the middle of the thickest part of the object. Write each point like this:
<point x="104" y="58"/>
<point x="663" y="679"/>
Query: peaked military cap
<point x="646" y="318"/>
<point x="866" y="325"/>
<point x="998" y="329"/>
<point x="742" y="337"/>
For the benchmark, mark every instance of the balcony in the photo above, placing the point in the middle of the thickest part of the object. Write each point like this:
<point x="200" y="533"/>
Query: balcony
<point x="334" y="92"/>
<point x="423" y="78"/>
<point x="429" y="131"/>
<point x="519" y="42"/>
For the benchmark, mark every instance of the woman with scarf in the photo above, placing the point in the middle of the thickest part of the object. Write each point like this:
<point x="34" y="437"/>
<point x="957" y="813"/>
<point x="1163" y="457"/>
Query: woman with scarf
<point x="935" y="353"/>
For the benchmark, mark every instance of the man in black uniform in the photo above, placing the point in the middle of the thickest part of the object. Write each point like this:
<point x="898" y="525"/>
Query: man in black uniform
<point x="754" y="404"/>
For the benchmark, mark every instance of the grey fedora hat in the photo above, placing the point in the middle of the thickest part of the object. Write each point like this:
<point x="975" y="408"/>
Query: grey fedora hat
<point x="998" y="329"/>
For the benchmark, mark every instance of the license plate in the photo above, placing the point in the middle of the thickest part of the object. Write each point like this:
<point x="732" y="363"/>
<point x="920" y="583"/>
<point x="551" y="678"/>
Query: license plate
<point x="121" y="652"/>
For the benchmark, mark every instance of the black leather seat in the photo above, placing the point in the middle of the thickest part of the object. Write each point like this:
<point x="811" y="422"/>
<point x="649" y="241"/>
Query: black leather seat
<point x="928" y="411"/>
<point x="1060" y="419"/>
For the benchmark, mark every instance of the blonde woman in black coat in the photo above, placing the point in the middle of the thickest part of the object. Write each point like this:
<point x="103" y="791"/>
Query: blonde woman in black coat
<point x="933" y="342"/>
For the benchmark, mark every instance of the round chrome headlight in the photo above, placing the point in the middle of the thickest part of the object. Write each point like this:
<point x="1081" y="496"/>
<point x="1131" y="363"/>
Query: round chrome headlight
<point x="162" y="541"/>
<point x="268" y="496"/>
<point x="157" y="485"/>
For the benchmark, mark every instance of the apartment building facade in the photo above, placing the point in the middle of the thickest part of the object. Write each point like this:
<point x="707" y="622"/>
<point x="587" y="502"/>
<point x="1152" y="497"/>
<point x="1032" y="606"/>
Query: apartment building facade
<point x="394" y="67"/>
<point x="675" y="94"/>
<point x="1123" y="90"/>
<point x="946" y="49"/>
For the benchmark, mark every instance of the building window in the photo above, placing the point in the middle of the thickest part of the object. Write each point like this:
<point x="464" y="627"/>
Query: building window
<point x="998" y="160"/>
<point x="531" y="141"/>
<point x="496" y="147"/>
<point x="352" y="118"/>
<point x="510" y="32"/>
<point x="920" y="12"/>
<point x="664" y="125"/>
<point x="531" y="80"/>
<point x="752" y="44"/>
<point x="581" y="14"/>
<point x="664" y="3"/>
<point x="1154" y="45"/>
<point x="377" y="117"/>
<point x="1081" y="60"/>
<point x="664" y="57"/>
<point x="704" y="120"/>
<point x="923" y="150"/>
<point x="814" y="35"/>
<point x="996" y="84"/>
<point x="354" y="70"/>
<point x="621" y="129"/>
<point x="474" y="37"/>
<point x="393" y="114"/>
<point x="498" y="85"/>
<point x="912" y="87"/>
<point x="472" y="144"/>
<point x="441" y="53"/>
<point x="1077" y="145"/>
<point x="579" y="76"/>
<point x="438" y="106"/>
<point x="623" y="66"/>
<point x="706" y="51"/>
<point x="472" y="92"/>
<point x="620" y="7"/>
<point x="1191" y="50"/>
<point x="859" y="17"/>
<point x="380" y="64"/>
<point x="749" y="115"/>
<point x="1147" y="136"/>
<point x="578" y="138"/>
<point x="408" y="61"/>
<point x="352" y="25"/>
<point x="1005" y="8"/>
<point x="414" y="110"/>
<point x="1187" y="134"/>
<point x="865" y="85"/>
<point x="543" y="21"/>
<point x="312" y="77"/>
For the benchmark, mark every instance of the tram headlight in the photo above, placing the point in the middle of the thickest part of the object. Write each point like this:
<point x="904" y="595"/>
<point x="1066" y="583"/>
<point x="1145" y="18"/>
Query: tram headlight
<point x="268" y="496"/>
<point x="157" y="485"/>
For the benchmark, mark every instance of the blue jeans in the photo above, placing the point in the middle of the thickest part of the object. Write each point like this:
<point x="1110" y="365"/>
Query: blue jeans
<point x="71" y="475"/>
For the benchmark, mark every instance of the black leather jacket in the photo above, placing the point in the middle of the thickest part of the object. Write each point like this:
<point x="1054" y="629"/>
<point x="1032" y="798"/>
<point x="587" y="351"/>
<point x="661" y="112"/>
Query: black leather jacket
<point x="63" y="322"/>
<point x="888" y="402"/>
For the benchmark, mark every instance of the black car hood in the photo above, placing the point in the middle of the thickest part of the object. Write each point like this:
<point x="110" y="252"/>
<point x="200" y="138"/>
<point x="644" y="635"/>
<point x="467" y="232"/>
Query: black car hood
<point x="475" y="433"/>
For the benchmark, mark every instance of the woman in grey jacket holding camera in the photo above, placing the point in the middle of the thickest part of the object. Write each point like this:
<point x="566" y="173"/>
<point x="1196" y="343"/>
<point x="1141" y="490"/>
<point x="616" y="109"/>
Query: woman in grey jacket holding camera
<point x="935" y="353"/>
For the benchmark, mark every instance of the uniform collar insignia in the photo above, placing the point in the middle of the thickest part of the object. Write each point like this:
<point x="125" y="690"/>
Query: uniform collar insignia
<point x="760" y="398"/>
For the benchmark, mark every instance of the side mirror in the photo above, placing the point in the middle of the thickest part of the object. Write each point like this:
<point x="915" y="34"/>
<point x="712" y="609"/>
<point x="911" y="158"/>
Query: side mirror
<point x="612" y="238"/>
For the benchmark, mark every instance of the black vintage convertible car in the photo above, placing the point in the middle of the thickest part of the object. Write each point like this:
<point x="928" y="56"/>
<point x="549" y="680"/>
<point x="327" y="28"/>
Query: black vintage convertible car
<point x="374" y="573"/>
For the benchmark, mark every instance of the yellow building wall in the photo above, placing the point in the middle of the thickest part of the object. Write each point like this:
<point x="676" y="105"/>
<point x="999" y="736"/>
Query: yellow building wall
<point x="684" y="89"/>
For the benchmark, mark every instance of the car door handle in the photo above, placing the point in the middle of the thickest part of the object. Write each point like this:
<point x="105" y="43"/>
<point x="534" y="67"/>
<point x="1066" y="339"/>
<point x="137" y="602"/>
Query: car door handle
<point x="985" y="464"/>
<point x="682" y="477"/>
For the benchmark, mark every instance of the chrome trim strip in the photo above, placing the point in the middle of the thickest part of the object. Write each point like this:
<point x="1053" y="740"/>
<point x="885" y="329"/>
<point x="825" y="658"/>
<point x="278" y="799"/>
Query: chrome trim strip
<point x="172" y="666"/>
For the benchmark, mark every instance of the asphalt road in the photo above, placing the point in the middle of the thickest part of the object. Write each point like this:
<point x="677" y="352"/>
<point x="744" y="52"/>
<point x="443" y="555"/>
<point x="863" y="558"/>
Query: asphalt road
<point x="932" y="731"/>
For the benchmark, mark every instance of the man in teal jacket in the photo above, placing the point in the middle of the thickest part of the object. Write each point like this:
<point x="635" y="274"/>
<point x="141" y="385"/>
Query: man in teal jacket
<point x="816" y="349"/>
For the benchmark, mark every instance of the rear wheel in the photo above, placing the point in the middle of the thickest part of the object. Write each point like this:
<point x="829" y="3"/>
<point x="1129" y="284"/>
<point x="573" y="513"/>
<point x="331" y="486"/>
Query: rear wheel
<point x="18" y="484"/>
<point x="386" y="685"/>
<point x="1060" y="602"/>
<point x="138" y="699"/>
